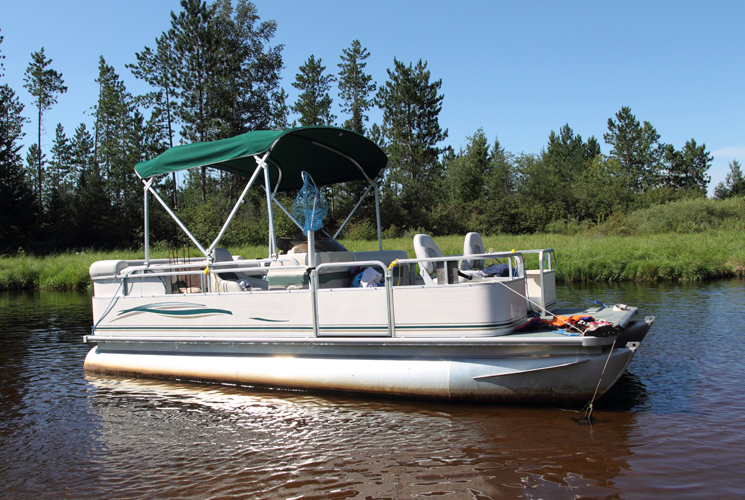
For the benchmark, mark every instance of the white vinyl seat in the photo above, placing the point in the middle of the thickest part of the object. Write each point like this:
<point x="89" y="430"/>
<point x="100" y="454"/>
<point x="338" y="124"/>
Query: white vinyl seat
<point x="228" y="281"/>
<point x="426" y="248"/>
<point x="473" y="245"/>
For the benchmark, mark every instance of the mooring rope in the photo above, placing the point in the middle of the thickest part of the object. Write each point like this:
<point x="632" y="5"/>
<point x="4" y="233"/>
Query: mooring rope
<point x="590" y="405"/>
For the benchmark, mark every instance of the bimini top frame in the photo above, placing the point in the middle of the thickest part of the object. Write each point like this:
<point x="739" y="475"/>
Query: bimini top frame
<point x="330" y="154"/>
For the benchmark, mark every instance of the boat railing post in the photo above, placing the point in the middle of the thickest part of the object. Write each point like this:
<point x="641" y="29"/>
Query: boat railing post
<point x="541" y="264"/>
<point x="377" y="216"/>
<point x="313" y="275"/>
<point x="389" y="299"/>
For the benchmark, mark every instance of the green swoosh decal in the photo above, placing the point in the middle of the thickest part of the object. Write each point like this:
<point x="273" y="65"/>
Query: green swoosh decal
<point x="271" y="320"/>
<point x="158" y="309"/>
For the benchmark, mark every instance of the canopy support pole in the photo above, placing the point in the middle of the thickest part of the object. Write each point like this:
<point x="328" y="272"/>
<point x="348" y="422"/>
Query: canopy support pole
<point x="286" y="212"/>
<point x="147" y="223"/>
<point x="359" y="167"/>
<point x="377" y="215"/>
<point x="362" y="198"/>
<point x="178" y="221"/>
<point x="272" y="242"/>
<point x="235" y="209"/>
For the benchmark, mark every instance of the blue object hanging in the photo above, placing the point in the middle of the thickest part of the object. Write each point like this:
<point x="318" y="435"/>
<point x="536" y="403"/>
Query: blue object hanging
<point x="310" y="207"/>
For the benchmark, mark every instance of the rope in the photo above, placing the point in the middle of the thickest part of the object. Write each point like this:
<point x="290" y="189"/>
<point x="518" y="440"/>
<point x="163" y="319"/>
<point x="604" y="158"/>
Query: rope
<point x="590" y="405"/>
<point x="108" y="308"/>
<point x="569" y="325"/>
<point x="597" y="302"/>
<point x="395" y="262"/>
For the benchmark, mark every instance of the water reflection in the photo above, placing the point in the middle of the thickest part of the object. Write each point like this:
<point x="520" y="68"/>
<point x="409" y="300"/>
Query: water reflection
<point x="672" y="426"/>
<point x="215" y="440"/>
<point x="628" y="394"/>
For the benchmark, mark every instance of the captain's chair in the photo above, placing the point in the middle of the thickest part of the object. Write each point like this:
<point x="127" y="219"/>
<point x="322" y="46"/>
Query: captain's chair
<point x="425" y="248"/>
<point x="229" y="281"/>
<point x="472" y="246"/>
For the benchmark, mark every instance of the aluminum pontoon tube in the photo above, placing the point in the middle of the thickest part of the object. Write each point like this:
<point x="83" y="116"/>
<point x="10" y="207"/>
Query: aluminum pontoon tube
<point x="555" y="378"/>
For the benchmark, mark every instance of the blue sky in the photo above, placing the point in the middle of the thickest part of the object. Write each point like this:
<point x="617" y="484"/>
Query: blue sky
<point x="516" y="69"/>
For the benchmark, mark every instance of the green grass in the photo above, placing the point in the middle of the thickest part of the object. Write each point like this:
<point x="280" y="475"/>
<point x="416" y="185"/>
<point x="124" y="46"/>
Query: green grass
<point x="711" y="254"/>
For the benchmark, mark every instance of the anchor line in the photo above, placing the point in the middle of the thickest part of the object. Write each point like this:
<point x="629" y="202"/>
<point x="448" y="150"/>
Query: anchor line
<point x="590" y="405"/>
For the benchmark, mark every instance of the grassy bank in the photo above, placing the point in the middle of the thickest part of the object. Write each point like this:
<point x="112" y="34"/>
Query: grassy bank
<point x="586" y="257"/>
<point x="711" y="254"/>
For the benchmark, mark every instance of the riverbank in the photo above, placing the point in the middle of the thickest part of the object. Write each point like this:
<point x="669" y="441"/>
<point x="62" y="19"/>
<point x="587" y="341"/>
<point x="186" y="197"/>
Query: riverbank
<point x="587" y="257"/>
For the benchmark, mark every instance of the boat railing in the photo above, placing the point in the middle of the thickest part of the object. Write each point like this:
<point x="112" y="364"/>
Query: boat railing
<point x="198" y="268"/>
<point x="545" y="257"/>
<point x="388" y="276"/>
<point x="515" y="259"/>
<point x="546" y="293"/>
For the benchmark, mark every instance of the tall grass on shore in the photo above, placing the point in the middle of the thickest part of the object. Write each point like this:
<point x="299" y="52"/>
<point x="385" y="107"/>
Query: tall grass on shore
<point x="592" y="258"/>
<point x="68" y="271"/>
<point x="588" y="257"/>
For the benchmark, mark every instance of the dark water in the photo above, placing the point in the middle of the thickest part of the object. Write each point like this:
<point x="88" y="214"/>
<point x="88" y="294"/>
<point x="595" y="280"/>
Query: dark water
<point x="673" y="427"/>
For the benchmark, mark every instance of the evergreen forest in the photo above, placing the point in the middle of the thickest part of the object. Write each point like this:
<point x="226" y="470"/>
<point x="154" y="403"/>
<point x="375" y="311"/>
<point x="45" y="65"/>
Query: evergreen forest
<point x="216" y="73"/>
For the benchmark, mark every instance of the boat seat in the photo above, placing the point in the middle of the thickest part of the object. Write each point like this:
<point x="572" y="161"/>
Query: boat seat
<point x="473" y="245"/>
<point x="335" y="277"/>
<point x="228" y="281"/>
<point x="425" y="248"/>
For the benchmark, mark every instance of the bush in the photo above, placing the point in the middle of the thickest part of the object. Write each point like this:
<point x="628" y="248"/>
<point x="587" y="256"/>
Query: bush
<point x="361" y="230"/>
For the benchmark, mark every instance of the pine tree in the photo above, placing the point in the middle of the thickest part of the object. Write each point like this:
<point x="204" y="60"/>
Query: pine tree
<point x="468" y="172"/>
<point x="687" y="169"/>
<point x="279" y="111"/>
<point x="314" y="102"/>
<point x="113" y="123"/>
<point x="59" y="194"/>
<point x="411" y="106"/>
<point x="247" y="76"/>
<point x="569" y="154"/>
<point x="91" y="196"/>
<point x="355" y="87"/>
<point x="194" y="43"/>
<point x="159" y="69"/>
<point x="637" y="148"/>
<point x="501" y="182"/>
<point x="733" y="185"/>
<point x="17" y="214"/>
<point x="43" y="83"/>
<point x="61" y="162"/>
<point x="565" y="160"/>
<point x="119" y="146"/>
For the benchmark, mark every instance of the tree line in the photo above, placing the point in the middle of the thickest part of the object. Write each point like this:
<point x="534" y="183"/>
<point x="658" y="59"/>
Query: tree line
<point x="215" y="73"/>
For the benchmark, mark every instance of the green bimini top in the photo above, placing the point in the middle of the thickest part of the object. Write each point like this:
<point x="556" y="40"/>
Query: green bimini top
<point x="329" y="154"/>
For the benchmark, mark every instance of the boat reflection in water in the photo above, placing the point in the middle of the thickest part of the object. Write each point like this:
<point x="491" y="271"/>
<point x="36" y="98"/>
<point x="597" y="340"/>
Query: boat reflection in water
<point x="196" y="440"/>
